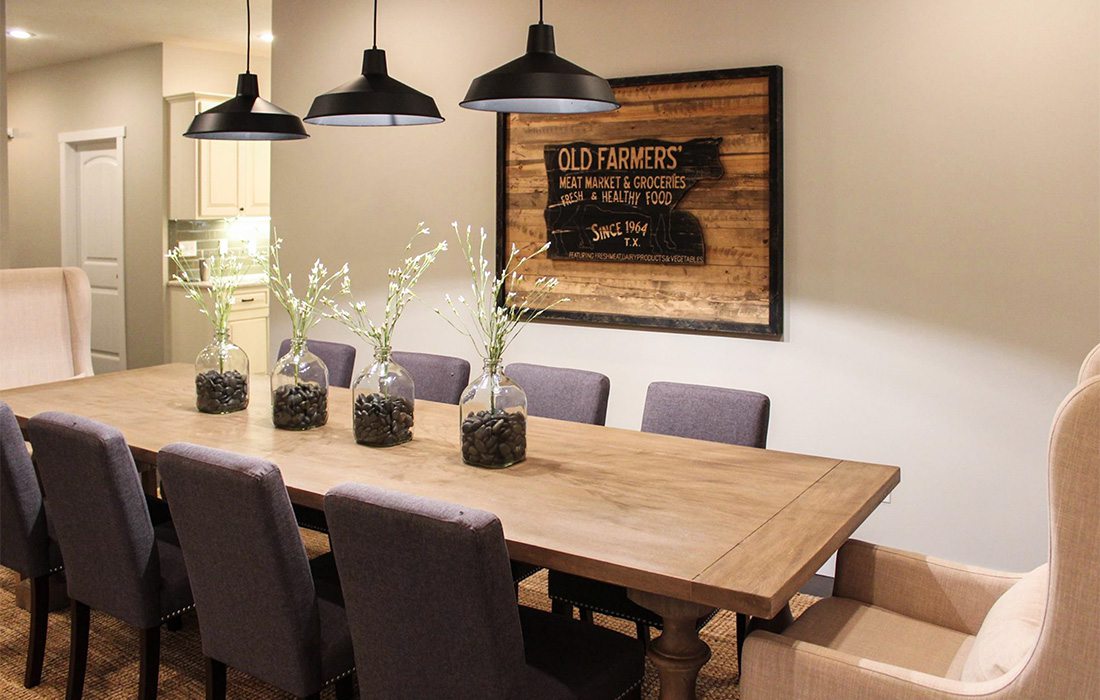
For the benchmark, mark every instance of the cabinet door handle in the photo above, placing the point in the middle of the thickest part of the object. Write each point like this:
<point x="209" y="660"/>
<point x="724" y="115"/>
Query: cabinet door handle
<point x="245" y="301"/>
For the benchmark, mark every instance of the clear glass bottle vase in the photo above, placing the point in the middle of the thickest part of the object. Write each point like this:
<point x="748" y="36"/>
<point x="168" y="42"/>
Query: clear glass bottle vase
<point x="221" y="376"/>
<point x="383" y="398"/>
<point x="299" y="389"/>
<point x="493" y="415"/>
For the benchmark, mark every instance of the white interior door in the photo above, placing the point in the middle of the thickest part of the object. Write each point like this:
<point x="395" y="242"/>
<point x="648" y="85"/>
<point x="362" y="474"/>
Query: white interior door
<point x="92" y="238"/>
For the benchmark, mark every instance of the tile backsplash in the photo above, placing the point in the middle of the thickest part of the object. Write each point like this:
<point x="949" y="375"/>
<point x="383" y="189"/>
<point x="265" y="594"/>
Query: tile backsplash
<point x="240" y="235"/>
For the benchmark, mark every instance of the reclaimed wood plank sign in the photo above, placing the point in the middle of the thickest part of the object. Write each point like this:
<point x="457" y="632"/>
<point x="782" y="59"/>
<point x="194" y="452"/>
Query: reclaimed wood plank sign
<point x="665" y="214"/>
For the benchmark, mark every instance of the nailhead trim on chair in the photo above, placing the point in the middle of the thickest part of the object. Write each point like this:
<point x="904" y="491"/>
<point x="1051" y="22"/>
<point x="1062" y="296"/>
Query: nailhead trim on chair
<point x="628" y="690"/>
<point x="177" y="613"/>
<point x="332" y="680"/>
<point x="312" y="527"/>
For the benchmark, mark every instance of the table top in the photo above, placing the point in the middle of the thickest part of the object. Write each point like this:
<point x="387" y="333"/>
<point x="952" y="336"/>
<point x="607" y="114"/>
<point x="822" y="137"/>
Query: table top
<point x="720" y="525"/>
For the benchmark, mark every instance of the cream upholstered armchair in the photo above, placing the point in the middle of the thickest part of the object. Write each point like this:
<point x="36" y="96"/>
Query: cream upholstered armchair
<point x="903" y="625"/>
<point x="1091" y="366"/>
<point x="46" y="327"/>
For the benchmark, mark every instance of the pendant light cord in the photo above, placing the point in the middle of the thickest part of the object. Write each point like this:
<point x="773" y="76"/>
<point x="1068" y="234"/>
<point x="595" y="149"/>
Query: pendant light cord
<point x="540" y="11"/>
<point x="248" y="41"/>
<point x="375" y="24"/>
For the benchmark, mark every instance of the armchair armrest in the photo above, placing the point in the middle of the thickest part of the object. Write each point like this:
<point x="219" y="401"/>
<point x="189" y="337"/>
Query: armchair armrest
<point x="780" y="668"/>
<point x="933" y="590"/>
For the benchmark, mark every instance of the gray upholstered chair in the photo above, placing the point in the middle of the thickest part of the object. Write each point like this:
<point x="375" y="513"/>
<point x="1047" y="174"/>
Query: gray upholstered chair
<point x="339" y="358"/>
<point x="25" y="544"/>
<point x="695" y="411"/>
<point x="437" y="377"/>
<point x="433" y="615"/>
<point x="116" y="561"/>
<point x="263" y="607"/>
<point x="712" y="413"/>
<point x="565" y="394"/>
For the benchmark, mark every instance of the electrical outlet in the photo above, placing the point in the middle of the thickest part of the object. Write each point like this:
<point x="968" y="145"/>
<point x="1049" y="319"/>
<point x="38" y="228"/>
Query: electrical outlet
<point x="189" y="249"/>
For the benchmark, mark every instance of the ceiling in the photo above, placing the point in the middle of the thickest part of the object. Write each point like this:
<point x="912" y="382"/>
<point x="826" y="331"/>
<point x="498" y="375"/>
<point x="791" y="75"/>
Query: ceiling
<point x="69" y="30"/>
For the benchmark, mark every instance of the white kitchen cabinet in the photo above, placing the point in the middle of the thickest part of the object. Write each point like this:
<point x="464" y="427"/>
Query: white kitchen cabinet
<point x="211" y="178"/>
<point x="190" y="331"/>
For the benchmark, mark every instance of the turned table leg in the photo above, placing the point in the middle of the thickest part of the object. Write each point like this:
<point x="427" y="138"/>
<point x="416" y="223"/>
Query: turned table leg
<point x="678" y="653"/>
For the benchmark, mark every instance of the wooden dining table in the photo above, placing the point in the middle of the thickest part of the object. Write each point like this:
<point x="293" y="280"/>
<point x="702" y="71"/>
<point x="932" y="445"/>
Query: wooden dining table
<point x="685" y="525"/>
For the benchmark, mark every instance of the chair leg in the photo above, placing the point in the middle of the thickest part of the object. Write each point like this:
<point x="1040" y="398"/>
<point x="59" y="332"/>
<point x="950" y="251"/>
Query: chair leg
<point x="560" y="607"/>
<point x="174" y="624"/>
<point x="643" y="633"/>
<point x="149" y="673"/>
<point x="215" y="679"/>
<point x="36" y="639"/>
<point x="586" y="615"/>
<point x="345" y="687"/>
<point x="78" y="650"/>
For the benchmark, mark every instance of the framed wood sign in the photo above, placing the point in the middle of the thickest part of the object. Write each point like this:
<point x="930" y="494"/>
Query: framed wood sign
<point x="667" y="213"/>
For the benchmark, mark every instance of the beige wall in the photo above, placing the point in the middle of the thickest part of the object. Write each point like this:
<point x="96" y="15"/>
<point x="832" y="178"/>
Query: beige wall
<point x="190" y="69"/>
<point x="942" y="240"/>
<point x="121" y="89"/>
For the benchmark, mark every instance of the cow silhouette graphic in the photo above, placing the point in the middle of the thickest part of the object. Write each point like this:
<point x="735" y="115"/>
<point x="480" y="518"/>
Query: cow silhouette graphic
<point x="618" y="202"/>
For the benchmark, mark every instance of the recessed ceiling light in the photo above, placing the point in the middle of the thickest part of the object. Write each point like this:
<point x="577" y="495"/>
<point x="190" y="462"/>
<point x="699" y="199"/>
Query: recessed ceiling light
<point x="16" y="33"/>
<point x="267" y="36"/>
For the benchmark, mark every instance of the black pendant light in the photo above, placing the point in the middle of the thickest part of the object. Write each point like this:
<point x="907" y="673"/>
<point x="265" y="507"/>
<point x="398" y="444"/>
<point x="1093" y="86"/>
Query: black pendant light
<point x="247" y="117"/>
<point x="540" y="82"/>
<point x="373" y="98"/>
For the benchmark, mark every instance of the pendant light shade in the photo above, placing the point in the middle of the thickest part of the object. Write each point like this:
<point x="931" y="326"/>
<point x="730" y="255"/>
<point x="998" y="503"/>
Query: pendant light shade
<point x="247" y="117"/>
<point x="373" y="99"/>
<point x="540" y="82"/>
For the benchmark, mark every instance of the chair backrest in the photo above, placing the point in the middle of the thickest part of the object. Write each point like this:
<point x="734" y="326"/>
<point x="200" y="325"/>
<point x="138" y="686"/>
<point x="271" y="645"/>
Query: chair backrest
<point x="1091" y="366"/>
<point x="566" y="394"/>
<point x="24" y="540"/>
<point x="1066" y="660"/>
<point x="339" y="358"/>
<point x="435" y="377"/>
<point x="99" y="516"/>
<point x="248" y="568"/>
<point x="710" y="413"/>
<point x="48" y="331"/>
<point x="429" y="596"/>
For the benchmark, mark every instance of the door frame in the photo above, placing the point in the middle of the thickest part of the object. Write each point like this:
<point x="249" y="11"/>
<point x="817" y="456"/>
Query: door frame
<point x="68" y="143"/>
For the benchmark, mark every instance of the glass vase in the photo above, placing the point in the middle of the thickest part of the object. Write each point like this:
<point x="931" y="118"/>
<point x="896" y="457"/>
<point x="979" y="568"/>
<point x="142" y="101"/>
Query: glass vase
<point x="493" y="414"/>
<point x="299" y="389"/>
<point x="382" y="403"/>
<point x="221" y="377"/>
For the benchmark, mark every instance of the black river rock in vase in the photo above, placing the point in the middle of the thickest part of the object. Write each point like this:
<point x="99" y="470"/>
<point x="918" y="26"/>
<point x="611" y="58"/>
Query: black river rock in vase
<point x="494" y="438"/>
<point x="221" y="392"/>
<point x="381" y="421"/>
<point x="299" y="406"/>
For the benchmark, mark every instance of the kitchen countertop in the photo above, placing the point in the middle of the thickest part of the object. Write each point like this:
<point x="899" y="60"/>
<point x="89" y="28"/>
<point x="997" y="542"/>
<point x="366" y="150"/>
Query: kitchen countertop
<point x="256" y="280"/>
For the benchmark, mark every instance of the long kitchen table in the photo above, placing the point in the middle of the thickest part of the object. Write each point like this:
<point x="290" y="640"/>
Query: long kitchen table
<point x="685" y="525"/>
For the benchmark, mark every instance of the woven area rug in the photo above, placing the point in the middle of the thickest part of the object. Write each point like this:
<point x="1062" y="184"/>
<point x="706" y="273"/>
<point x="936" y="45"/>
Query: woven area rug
<point x="113" y="652"/>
